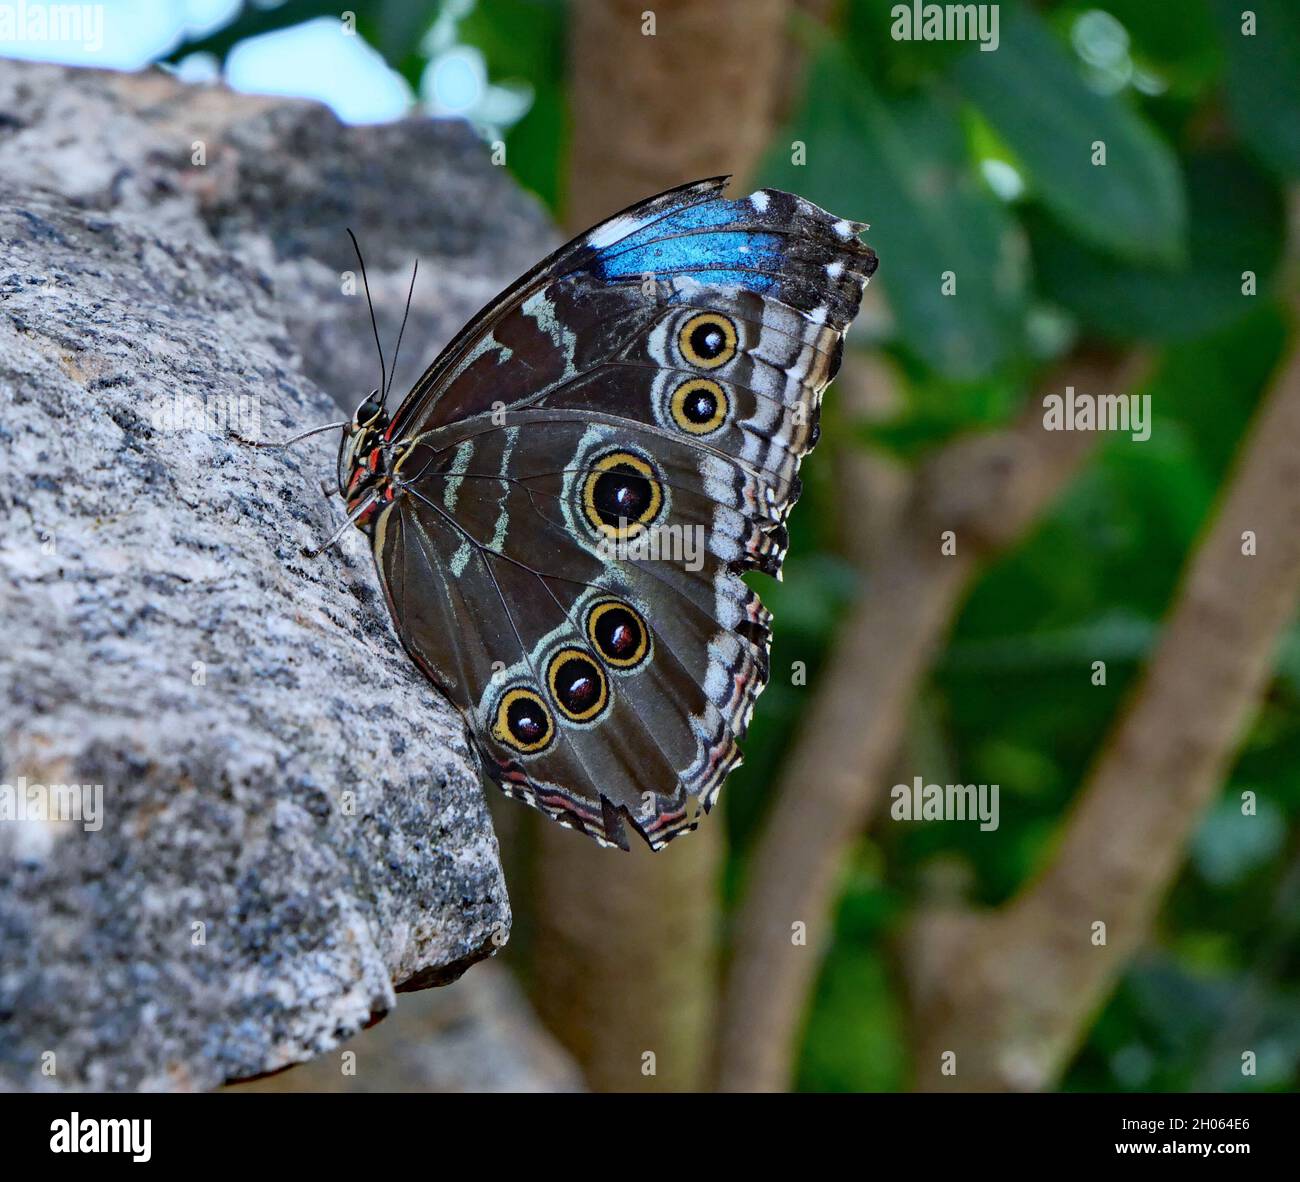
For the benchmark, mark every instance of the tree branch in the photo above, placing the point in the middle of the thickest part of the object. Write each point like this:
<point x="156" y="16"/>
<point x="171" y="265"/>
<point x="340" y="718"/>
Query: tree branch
<point x="694" y="98"/>
<point x="625" y="960"/>
<point x="988" y="489"/>
<point x="1011" y="992"/>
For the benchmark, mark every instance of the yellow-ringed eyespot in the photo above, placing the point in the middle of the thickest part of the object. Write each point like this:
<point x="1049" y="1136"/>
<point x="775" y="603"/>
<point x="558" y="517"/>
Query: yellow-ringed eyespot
<point x="699" y="406"/>
<point x="620" y="495"/>
<point x="617" y="631"/>
<point x="707" y="340"/>
<point x="577" y="684"/>
<point x="523" y="721"/>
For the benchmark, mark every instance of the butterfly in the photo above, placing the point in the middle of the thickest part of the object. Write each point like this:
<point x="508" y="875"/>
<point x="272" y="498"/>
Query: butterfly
<point x="562" y="507"/>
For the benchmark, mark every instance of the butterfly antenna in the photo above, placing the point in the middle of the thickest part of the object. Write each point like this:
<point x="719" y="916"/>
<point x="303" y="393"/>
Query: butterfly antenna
<point x="286" y="442"/>
<point x="383" y="372"/>
<point x="398" y="347"/>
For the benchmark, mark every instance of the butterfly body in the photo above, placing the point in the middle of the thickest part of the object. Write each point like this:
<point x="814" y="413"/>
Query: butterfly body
<point x="563" y="506"/>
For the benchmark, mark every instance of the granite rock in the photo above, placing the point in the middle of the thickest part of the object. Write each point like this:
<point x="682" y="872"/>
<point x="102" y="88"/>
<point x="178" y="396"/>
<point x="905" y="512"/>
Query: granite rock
<point x="477" y="1035"/>
<point x="282" y="824"/>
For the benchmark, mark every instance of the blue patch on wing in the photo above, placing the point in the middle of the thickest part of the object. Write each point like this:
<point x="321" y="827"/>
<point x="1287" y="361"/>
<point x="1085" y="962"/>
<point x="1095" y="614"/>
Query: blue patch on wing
<point x="680" y="244"/>
<point x="700" y="216"/>
<point x="734" y="248"/>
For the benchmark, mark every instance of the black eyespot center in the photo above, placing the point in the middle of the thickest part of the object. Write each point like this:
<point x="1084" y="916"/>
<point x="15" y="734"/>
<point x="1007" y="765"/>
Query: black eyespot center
<point x="621" y="494"/>
<point x="699" y="406"/>
<point x="526" y="722"/>
<point x="618" y="633"/>
<point x="708" y="340"/>
<point x="577" y="684"/>
<point x="523" y="721"/>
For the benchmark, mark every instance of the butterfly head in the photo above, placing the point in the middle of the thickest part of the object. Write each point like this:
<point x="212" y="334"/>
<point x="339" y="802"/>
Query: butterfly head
<point x="370" y="412"/>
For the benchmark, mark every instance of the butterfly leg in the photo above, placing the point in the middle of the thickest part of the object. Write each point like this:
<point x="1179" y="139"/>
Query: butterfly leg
<point x="362" y="505"/>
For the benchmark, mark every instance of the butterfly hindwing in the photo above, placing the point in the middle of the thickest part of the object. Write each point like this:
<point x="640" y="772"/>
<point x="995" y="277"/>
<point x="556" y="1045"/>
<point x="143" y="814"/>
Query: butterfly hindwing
<point x="585" y="474"/>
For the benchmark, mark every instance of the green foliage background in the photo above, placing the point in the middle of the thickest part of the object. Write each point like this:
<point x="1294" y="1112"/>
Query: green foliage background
<point x="1202" y="127"/>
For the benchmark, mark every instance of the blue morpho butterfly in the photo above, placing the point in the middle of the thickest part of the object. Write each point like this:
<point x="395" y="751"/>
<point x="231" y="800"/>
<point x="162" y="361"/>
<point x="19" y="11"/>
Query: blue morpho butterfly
<point x="658" y="379"/>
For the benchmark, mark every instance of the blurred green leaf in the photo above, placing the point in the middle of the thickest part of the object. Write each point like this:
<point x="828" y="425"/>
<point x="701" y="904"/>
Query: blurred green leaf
<point x="1178" y="1023"/>
<point x="524" y="41"/>
<point x="255" y="19"/>
<point x="809" y="603"/>
<point x="519" y="38"/>
<point x="1020" y="769"/>
<point x="937" y="409"/>
<point x="396" y="29"/>
<point x="901" y="165"/>
<point x="1031" y="91"/>
<point x="1288" y="660"/>
<point x="1264" y="78"/>
<point x="1212" y="384"/>
<point x="895" y="65"/>
<point x="1237" y="225"/>
<point x="1115" y="635"/>
<point x="855" y="1039"/>
<point x="398" y="26"/>
<point x="1229" y="845"/>
<point x="1186" y="51"/>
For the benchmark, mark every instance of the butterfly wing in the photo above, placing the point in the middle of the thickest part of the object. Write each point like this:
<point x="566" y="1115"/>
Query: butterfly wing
<point x="588" y="470"/>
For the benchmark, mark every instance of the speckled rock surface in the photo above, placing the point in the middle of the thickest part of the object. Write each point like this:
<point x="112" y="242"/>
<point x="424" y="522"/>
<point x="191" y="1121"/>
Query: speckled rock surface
<point x="477" y="1035"/>
<point x="286" y="826"/>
